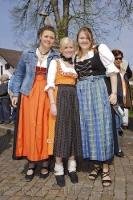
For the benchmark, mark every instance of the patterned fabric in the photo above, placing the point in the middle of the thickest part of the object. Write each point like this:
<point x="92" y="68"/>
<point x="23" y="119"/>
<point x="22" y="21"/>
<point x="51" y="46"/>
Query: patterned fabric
<point x="67" y="128"/>
<point x="95" y="119"/>
<point x="66" y="125"/>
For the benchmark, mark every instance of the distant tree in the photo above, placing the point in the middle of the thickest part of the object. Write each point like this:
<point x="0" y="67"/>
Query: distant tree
<point x="68" y="15"/>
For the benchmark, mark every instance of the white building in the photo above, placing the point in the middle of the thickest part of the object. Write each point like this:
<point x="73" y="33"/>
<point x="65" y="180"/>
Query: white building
<point x="8" y="61"/>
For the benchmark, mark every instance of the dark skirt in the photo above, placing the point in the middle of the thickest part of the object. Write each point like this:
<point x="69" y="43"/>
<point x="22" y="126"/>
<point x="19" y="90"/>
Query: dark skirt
<point x="67" y="128"/>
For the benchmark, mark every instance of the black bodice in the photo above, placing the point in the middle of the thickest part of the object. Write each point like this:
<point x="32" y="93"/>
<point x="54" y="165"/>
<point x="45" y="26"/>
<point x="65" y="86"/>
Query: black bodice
<point x="92" y="66"/>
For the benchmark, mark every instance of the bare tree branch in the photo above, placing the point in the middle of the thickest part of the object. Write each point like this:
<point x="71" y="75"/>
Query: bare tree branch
<point x="69" y="15"/>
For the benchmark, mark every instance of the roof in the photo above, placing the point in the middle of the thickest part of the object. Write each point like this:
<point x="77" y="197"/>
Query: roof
<point x="11" y="56"/>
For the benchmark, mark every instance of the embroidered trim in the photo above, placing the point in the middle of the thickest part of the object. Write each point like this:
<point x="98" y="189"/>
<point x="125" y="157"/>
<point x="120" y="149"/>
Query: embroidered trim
<point x="65" y="73"/>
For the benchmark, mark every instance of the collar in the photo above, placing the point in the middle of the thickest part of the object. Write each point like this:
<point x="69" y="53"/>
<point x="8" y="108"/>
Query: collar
<point x="69" y="60"/>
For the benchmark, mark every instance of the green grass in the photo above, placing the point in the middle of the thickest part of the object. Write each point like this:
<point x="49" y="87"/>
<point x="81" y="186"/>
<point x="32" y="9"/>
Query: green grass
<point x="131" y="113"/>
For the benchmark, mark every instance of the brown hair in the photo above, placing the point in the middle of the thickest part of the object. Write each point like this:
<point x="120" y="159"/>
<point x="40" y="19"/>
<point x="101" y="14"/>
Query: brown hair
<point x="89" y="35"/>
<point x="117" y="52"/>
<point x="45" y="28"/>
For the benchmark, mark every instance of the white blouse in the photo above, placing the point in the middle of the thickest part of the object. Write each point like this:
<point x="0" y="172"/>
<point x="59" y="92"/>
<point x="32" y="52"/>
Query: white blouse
<point x="42" y="59"/>
<point x="106" y="57"/>
<point x="53" y="70"/>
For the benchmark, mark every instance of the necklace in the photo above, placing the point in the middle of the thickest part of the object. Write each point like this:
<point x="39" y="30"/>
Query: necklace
<point x="42" y="52"/>
<point x="41" y="56"/>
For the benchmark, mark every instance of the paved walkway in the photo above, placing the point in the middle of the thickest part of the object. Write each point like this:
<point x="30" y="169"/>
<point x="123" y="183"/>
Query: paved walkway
<point x="14" y="187"/>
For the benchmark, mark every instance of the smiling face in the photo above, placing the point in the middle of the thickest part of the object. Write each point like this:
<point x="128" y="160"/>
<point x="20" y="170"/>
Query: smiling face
<point x="47" y="39"/>
<point x="67" y="47"/>
<point x="84" y="40"/>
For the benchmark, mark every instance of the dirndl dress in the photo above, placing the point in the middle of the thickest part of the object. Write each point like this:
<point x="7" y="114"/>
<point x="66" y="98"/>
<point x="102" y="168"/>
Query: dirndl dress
<point x="31" y="132"/>
<point x="95" y="111"/>
<point x="66" y="125"/>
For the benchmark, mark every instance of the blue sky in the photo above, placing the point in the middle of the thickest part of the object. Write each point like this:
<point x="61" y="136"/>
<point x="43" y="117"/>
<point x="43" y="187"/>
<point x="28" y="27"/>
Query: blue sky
<point x="7" y="34"/>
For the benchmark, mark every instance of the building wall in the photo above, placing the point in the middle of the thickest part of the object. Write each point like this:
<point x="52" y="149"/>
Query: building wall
<point x="2" y="68"/>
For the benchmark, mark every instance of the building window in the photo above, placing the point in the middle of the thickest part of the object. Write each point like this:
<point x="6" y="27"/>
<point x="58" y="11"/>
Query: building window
<point x="1" y="69"/>
<point x="7" y="66"/>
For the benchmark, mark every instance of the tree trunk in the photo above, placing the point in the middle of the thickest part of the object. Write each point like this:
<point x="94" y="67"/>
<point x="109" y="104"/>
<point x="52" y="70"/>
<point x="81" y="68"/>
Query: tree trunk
<point x="62" y="22"/>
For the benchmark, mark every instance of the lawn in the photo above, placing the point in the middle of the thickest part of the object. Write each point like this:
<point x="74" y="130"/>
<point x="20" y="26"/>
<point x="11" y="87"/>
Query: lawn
<point x="131" y="113"/>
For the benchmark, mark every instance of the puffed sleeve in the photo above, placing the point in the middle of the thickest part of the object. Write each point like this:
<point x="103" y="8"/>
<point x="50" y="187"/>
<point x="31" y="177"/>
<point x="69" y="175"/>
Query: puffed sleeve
<point x="107" y="59"/>
<point x="51" y="75"/>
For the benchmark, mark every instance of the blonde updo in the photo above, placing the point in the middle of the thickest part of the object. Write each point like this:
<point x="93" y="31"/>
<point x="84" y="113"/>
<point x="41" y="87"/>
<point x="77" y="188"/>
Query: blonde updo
<point x="64" y="41"/>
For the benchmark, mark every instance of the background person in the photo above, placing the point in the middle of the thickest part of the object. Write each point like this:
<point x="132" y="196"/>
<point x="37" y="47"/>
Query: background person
<point x="123" y="87"/>
<point x="5" y="104"/>
<point x="13" y="109"/>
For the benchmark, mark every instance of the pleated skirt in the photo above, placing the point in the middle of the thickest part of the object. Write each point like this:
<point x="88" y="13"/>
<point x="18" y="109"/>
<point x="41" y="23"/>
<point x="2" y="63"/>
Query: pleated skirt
<point x="67" y="140"/>
<point x="95" y="119"/>
<point x="31" y="130"/>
